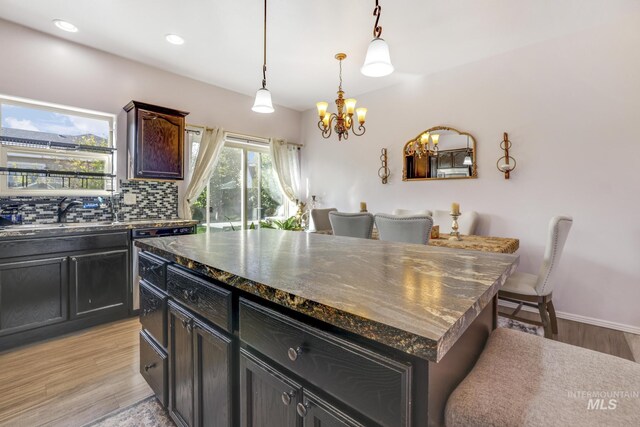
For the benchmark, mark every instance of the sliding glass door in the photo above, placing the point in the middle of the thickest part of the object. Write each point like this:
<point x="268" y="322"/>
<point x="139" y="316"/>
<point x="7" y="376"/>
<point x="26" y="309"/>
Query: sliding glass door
<point x="243" y="189"/>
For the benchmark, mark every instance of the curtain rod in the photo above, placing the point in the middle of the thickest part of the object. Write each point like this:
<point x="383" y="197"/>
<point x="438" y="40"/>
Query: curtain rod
<point x="239" y="135"/>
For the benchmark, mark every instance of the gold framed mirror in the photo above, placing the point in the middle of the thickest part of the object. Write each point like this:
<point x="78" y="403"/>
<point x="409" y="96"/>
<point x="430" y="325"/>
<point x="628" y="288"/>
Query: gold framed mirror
<point x="439" y="152"/>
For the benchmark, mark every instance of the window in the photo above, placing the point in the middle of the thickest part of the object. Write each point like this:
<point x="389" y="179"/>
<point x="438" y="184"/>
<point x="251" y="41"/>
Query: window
<point x="243" y="189"/>
<point x="47" y="149"/>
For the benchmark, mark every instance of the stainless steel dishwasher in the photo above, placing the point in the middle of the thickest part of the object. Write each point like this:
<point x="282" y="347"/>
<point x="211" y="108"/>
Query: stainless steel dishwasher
<point x="144" y="233"/>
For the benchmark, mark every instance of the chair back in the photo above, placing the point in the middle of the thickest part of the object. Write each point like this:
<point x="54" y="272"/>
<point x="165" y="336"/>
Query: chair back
<point x="559" y="227"/>
<point x="351" y="224"/>
<point x="404" y="228"/>
<point x="320" y="218"/>
<point x="410" y="212"/>
<point x="467" y="221"/>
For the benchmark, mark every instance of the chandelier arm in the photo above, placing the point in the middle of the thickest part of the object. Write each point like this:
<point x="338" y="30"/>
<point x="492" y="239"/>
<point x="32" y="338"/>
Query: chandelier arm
<point x="377" y="29"/>
<point x="361" y="130"/>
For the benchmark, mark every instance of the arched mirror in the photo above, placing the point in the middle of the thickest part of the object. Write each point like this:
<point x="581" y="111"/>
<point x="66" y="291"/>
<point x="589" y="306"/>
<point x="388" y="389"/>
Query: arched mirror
<point x="439" y="153"/>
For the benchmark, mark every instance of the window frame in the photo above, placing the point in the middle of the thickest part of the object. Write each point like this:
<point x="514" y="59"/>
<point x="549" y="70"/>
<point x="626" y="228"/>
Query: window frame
<point x="111" y="160"/>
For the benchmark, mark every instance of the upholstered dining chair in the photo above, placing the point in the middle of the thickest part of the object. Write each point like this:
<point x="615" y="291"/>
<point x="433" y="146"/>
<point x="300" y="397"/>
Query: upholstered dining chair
<point x="410" y="212"/>
<point x="536" y="290"/>
<point x="351" y="224"/>
<point x="320" y="218"/>
<point x="404" y="228"/>
<point x="467" y="221"/>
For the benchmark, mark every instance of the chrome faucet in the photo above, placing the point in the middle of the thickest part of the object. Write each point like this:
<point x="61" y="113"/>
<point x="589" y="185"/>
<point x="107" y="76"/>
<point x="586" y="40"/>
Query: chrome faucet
<point x="63" y="208"/>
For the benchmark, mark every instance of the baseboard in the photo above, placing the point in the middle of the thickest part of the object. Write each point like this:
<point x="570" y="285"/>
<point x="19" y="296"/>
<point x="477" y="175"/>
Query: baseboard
<point x="583" y="319"/>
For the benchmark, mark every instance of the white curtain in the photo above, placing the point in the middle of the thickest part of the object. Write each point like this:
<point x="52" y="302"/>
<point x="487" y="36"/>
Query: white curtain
<point x="286" y="162"/>
<point x="210" y="146"/>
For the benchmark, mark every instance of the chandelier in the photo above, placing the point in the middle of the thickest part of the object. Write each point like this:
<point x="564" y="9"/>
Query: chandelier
<point x="425" y="145"/>
<point x="342" y="121"/>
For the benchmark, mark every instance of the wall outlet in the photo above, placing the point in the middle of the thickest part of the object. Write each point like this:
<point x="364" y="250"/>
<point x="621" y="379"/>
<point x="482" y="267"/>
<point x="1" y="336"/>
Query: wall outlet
<point x="129" y="199"/>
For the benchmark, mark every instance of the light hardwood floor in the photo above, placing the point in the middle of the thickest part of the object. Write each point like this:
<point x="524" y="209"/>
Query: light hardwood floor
<point x="74" y="379"/>
<point x="596" y="338"/>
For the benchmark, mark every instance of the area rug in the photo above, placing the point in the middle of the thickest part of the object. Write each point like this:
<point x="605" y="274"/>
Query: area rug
<point x="503" y="322"/>
<point x="147" y="413"/>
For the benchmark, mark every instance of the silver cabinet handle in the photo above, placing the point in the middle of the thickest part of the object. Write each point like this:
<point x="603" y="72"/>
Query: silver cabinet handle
<point x="294" y="353"/>
<point x="287" y="396"/>
<point x="302" y="408"/>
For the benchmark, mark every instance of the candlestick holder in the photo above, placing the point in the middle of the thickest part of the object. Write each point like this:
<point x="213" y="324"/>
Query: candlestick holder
<point x="455" y="235"/>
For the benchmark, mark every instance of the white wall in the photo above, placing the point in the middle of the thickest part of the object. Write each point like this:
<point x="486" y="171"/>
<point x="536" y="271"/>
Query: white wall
<point x="38" y="66"/>
<point x="572" y="109"/>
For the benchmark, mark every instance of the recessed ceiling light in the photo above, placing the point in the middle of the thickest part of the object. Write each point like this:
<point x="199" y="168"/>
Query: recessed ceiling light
<point x="174" y="39"/>
<point x="66" y="26"/>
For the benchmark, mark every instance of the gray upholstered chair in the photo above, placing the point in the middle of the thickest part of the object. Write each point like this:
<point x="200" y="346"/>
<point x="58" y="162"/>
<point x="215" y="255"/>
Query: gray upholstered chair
<point x="320" y="218"/>
<point x="404" y="228"/>
<point x="351" y="224"/>
<point x="536" y="290"/>
<point x="410" y="212"/>
<point x="467" y="221"/>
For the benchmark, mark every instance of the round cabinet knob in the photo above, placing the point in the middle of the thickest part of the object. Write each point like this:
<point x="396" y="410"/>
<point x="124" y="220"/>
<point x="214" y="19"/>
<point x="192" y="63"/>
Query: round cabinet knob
<point x="302" y="408"/>
<point x="287" y="396"/>
<point x="294" y="353"/>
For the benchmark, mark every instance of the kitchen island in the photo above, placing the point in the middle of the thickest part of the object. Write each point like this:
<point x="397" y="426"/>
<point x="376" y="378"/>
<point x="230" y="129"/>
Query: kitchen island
<point x="300" y="328"/>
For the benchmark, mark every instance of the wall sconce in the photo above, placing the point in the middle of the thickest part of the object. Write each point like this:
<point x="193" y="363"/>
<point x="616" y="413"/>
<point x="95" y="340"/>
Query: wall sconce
<point x="506" y="163"/>
<point x="384" y="171"/>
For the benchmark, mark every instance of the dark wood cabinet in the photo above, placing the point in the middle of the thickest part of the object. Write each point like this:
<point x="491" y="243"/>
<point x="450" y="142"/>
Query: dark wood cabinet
<point x="32" y="294"/>
<point x="317" y="412"/>
<point x="267" y="397"/>
<point x="155" y="137"/>
<point x="180" y="331"/>
<point x="213" y="367"/>
<point x="55" y="285"/>
<point x="153" y="366"/>
<point x="200" y="372"/>
<point x="99" y="282"/>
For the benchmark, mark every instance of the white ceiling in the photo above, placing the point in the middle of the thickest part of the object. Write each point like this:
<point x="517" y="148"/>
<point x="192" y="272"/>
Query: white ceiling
<point x="224" y="37"/>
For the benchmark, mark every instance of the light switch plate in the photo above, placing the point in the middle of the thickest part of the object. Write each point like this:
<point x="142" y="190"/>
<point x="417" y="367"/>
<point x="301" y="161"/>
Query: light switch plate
<point x="129" y="199"/>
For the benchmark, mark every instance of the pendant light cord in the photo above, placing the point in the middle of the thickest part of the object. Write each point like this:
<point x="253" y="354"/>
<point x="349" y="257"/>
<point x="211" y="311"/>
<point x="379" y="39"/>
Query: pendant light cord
<point x="264" y="48"/>
<point x="377" y="29"/>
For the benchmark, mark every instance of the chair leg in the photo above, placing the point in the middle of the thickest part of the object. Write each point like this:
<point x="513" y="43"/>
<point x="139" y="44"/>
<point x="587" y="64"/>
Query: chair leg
<point x="554" y="319"/>
<point x="546" y="323"/>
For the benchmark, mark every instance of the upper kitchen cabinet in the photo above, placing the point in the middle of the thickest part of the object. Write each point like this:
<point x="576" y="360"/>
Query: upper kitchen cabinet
<point x="155" y="138"/>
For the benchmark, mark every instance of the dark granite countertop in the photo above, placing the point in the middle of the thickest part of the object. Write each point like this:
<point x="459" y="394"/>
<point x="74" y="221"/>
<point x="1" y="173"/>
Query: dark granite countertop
<point x="418" y="299"/>
<point x="54" y="229"/>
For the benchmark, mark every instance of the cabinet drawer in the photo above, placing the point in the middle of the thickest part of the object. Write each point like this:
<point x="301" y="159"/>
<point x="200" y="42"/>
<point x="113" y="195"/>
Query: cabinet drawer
<point x="50" y="245"/>
<point x="152" y="270"/>
<point x="153" y="313"/>
<point x="203" y="297"/>
<point x="153" y="367"/>
<point x="370" y="383"/>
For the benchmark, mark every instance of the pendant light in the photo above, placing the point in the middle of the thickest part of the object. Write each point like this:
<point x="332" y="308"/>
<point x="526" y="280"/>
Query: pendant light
<point x="263" y="103"/>
<point x="377" y="63"/>
<point x="467" y="159"/>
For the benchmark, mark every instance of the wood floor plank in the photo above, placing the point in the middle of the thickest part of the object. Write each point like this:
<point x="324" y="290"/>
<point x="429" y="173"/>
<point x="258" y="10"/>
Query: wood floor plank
<point x="72" y="380"/>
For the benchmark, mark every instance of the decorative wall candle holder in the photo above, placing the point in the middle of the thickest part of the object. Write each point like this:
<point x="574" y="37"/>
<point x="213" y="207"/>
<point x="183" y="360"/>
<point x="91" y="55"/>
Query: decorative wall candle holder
<point x="506" y="163"/>
<point x="455" y="235"/>
<point x="384" y="171"/>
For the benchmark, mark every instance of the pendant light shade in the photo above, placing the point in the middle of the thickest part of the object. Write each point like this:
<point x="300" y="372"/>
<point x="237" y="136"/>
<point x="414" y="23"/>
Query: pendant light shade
<point x="263" y="103"/>
<point x="467" y="160"/>
<point x="377" y="63"/>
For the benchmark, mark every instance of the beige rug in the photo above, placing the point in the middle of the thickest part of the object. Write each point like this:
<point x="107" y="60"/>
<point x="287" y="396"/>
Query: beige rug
<point x="147" y="413"/>
<point x="503" y="322"/>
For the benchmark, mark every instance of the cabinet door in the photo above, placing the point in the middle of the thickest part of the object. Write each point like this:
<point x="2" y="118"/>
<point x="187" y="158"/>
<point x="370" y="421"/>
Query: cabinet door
<point x="458" y="159"/>
<point x="180" y="331"/>
<point x="32" y="294"/>
<point x="213" y="373"/>
<point x="99" y="282"/>
<point x="159" y="146"/>
<point x="316" y="412"/>
<point x="267" y="398"/>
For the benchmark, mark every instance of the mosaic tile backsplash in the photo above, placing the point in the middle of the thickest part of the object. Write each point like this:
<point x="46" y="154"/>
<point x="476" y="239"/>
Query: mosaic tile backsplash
<point x="154" y="200"/>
